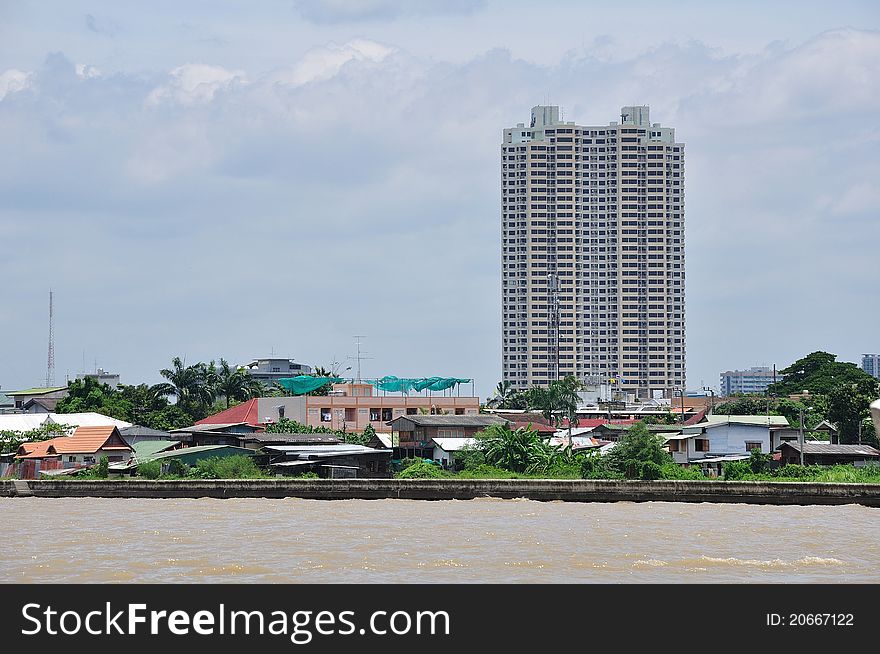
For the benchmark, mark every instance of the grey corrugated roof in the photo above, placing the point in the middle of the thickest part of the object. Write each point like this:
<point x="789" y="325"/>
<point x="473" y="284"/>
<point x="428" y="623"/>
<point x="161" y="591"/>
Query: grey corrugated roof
<point x="291" y="438"/>
<point x="825" y="448"/>
<point x="453" y="421"/>
<point x="140" y="430"/>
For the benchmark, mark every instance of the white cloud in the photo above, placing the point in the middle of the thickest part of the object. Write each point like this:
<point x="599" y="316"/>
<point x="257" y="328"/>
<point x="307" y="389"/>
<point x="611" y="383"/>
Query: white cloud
<point x="325" y="62"/>
<point x="194" y="84"/>
<point x="12" y="81"/>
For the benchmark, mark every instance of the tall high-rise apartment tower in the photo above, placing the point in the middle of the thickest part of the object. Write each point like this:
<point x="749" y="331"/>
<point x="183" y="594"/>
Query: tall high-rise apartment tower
<point x="592" y="264"/>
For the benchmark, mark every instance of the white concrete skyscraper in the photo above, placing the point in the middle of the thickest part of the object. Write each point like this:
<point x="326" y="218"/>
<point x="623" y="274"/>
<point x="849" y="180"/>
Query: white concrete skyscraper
<point x="592" y="263"/>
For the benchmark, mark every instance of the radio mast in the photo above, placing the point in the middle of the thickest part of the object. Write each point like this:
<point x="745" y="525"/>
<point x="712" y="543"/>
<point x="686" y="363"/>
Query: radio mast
<point x="50" y="363"/>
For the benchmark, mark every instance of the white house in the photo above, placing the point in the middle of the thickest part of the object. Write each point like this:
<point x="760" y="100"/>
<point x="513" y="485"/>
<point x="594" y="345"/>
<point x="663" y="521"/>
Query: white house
<point x="445" y="449"/>
<point x="721" y="436"/>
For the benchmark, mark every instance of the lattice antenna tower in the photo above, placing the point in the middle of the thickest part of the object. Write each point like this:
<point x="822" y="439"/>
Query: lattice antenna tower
<point x="50" y="362"/>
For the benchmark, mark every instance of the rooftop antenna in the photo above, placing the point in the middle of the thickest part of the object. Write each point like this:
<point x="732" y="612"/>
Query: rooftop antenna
<point x="50" y="363"/>
<point x="360" y="356"/>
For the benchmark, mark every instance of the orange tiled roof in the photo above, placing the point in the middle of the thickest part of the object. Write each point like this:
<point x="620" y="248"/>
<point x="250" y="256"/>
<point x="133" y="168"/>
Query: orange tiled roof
<point x="86" y="440"/>
<point x="35" y="449"/>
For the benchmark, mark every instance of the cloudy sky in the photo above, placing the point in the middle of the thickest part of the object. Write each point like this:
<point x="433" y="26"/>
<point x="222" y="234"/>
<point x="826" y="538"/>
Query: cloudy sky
<point x="231" y="179"/>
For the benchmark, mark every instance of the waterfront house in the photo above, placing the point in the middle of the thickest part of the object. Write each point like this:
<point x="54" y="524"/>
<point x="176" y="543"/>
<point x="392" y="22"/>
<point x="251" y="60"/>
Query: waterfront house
<point x="342" y="460"/>
<point x="826" y="454"/>
<point x="413" y="435"/>
<point x="214" y="434"/>
<point x="83" y="448"/>
<point x="723" y="435"/>
<point x="445" y="449"/>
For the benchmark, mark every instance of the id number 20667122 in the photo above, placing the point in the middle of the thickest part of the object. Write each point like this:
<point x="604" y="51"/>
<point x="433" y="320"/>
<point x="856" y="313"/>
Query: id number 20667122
<point x="810" y="620"/>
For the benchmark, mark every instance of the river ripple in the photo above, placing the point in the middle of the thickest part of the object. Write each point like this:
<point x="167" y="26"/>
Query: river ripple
<point x="406" y="541"/>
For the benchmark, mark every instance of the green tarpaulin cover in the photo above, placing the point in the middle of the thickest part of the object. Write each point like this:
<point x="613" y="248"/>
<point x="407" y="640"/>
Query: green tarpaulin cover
<point x="407" y="384"/>
<point x="302" y="384"/>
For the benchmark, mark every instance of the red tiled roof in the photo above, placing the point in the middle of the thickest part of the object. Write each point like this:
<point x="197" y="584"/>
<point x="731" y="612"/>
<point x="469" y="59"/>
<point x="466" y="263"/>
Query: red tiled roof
<point x="538" y="427"/>
<point x="697" y="417"/>
<point x="246" y="412"/>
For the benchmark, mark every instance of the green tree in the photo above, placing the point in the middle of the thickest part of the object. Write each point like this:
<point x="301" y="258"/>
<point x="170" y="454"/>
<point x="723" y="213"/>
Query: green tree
<point x="190" y="385"/>
<point x="507" y="397"/>
<point x="635" y="450"/>
<point x="556" y="401"/>
<point x="818" y="372"/>
<point x="11" y="440"/>
<point x="234" y="384"/>
<point x="849" y="406"/>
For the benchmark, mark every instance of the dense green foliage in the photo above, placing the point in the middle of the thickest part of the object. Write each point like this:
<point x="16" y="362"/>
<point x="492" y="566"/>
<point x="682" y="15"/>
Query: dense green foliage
<point x="11" y="440"/>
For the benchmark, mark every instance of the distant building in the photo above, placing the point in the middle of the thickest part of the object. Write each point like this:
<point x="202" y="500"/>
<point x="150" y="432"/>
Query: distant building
<point x="416" y="435"/>
<point x="871" y="364"/>
<point x="753" y="380"/>
<point x="593" y="253"/>
<point x="270" y="369"/>
<point x="24" y="396"/>
<point x="101" y="376"/>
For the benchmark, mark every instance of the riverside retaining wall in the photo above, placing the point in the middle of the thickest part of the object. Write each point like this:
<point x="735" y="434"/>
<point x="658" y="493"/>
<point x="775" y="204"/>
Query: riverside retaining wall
<point x="568" y="490"/>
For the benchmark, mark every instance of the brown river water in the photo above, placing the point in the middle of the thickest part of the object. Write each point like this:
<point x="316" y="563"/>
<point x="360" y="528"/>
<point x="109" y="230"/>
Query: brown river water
<point x="405" y="541"/>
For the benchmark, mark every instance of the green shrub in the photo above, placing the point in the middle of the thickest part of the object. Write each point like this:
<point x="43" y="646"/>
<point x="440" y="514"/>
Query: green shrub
<point x="102" y="470"/>
<point x="308" y="475"/>
<point x="178" y="468"/>
<point x="733" y="470"/>
<point x="469" y="458"/>
<point x="239" y="466"/>
<point x="594" y="466"/>
<point x="149" y="469"/>
<point x="675" y="471"/>
<point x="759" y="463"/>
<point x="423" y="470"/>
<point x="650" y="470"/>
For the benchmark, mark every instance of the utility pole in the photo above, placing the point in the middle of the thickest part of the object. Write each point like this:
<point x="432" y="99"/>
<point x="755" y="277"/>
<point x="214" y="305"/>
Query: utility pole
<point x="711" y="398"/>
<point x="801" y="434"/>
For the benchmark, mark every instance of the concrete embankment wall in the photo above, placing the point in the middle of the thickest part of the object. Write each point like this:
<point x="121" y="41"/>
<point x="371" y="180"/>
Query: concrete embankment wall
<point x="462" y="489"/>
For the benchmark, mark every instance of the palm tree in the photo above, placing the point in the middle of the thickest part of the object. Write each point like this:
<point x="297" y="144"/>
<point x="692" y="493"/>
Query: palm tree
<point x="503" y="394"/>
<point x="188" y="384"/>
<point x="234" y="383"/>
